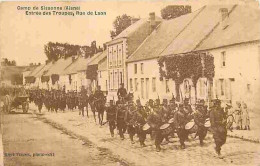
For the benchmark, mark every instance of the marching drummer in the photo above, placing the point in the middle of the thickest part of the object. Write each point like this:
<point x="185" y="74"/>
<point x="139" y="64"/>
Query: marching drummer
<point x="111" y="117"/>
<point x="154" y="120"/>
<point x="200" y="117"/>
<point x="120" y="116"/>
<point x="141" y="117"/>
<point x="181" y="118"/>
<point x="130" y="120"/>
<point x="218" y="125"/>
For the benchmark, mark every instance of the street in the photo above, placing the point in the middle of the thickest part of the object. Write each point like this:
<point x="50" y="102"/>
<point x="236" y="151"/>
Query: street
<point x="30" y="142"/>
<point x="71" y="139"/>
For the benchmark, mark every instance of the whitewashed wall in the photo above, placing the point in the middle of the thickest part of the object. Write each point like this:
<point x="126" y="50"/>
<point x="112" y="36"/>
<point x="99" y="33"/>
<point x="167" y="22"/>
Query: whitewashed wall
<point x="241" y="73"/>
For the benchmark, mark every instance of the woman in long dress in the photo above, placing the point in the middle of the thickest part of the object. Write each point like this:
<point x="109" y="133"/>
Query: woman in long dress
<point x="245" y="117"/>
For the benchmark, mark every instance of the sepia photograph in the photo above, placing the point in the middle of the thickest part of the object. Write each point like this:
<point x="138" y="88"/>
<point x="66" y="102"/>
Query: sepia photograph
<point x="130" y="83"/>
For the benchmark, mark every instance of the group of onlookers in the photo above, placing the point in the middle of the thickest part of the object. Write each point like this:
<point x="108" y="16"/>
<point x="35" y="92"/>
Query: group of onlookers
<point x="239" y="115"/>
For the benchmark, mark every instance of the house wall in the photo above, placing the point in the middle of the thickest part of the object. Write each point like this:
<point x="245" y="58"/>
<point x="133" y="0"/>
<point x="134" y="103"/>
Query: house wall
<point x="152" y="86"/>
<point x="238" y="80"/>
<point x="116" y="65"/>
<point x="103" y="79"/>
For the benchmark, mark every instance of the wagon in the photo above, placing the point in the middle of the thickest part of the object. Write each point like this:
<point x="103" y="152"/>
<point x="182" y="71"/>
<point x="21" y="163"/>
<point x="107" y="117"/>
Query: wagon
<point x="21" y="101"/>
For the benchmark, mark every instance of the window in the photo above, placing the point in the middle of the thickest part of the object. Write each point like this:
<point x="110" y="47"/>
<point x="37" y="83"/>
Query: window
<point x="131" y="84"/>
<point x="110" y="57"/>
<point x="147" y="87"/>
<point x="111" y="80"/>
<point x="136" y="84"/>
<point x="154" y="84"/>
<point x="121" y="77"/>
<point x="142" y="88"/>
<point x="115" y="81"/>
<point x="142" y="68"/>
<point x="135" y="68"/>
<point x="222" y="91"/>
<point x="223" y="59"/>
<point x="167" y="86"/>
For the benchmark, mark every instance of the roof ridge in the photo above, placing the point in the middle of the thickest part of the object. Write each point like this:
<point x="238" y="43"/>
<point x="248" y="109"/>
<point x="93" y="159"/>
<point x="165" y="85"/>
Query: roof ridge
<point x="144" y="41"/>
<point x="184" y="28"/>
<point x="39" y="70"/>
<point x="206" y="36"/>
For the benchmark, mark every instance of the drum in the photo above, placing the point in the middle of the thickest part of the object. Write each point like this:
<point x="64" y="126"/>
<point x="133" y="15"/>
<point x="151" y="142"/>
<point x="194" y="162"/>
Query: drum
<point x="166" y="129"/>
<point x="207" y="123"/>
<point x="171" y="121"/>
<point x="146" y="127"/>
<point x="191" y="127"/>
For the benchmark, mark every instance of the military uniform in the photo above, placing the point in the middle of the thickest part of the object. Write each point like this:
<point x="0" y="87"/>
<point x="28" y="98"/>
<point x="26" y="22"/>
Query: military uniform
<point x="218" y="125"/>
<point x="181" y="118"/>
<point x="111" y="118"/>
<point x="120" y="118"/>
<point x="200" y="118"/>
<point x="140" y="117"/>
<point x="130" y="119"/>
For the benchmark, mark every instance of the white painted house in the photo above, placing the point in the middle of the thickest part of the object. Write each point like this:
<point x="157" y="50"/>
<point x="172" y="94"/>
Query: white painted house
<point x="229" y="33"/>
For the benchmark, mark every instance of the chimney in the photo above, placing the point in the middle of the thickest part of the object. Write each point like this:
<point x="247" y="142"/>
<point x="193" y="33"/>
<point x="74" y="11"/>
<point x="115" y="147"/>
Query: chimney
<point x="152" y="21"/>
<point x="223" y="14"/>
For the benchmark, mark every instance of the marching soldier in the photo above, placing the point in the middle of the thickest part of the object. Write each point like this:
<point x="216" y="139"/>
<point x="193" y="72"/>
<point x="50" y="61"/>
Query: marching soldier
<point x="218" y="126"/>
<point x="181" y="118"/>
<point x="111" y="117"/>
<point x="40" y="101"/>
<point x="81" y="104"/>
<point x="130" y="121"/>
<point x="200" y="118"/>
<point x="141" y="117"/>
<point x="120" y="116"/>
<point x="154" y="120"/>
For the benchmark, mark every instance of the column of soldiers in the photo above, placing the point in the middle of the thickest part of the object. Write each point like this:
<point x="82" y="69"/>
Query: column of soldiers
<point x="160" y="121"/>
<point x="55" y="100"/>
<point x="163" y="120"/>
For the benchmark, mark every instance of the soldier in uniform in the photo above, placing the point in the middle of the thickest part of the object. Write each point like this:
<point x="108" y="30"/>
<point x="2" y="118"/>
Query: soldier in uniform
<point x="81" y="104"/>
<point x="141" y="117"/>
<point x="122" y="91"/>
<point x="111" y="117"/>
<point x="200" y="117"/>
<point x="120" y="116"/>
<point x="130" y="119"/>
<point x="218" y="125"/>
<point x="155" y="121"/>
<point x="40" y="101"/>
<point x="181" y="118"/>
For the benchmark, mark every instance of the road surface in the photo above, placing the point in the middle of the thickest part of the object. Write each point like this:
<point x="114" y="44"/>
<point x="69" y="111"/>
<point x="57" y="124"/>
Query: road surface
<point x="28" y="141"/>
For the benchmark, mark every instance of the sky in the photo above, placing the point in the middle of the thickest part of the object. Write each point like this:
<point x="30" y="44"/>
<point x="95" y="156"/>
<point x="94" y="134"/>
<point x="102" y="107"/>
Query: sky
<point x="22" y="38"/>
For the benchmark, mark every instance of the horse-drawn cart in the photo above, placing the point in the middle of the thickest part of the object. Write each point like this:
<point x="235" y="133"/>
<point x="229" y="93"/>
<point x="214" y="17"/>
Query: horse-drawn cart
<point x="21" y="101"/>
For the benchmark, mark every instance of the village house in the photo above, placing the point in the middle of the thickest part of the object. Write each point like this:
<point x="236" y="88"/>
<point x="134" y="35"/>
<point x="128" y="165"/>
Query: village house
<point x="122" y="46"/>
<point x="226" y="32"/>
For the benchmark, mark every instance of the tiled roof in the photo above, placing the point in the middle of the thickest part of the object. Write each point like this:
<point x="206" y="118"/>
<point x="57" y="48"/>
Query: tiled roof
<point x="243" y="26"/>
<point x="102" y="65"/>
<point x="58" y="66"/>
<point x="36" y="70"/>
<point x="99" y="56"/>
<point x="135" y="27"/>
<point x="162" y="37"/>
<point x="200" y="30"/>
<point x="44" y="70"/>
